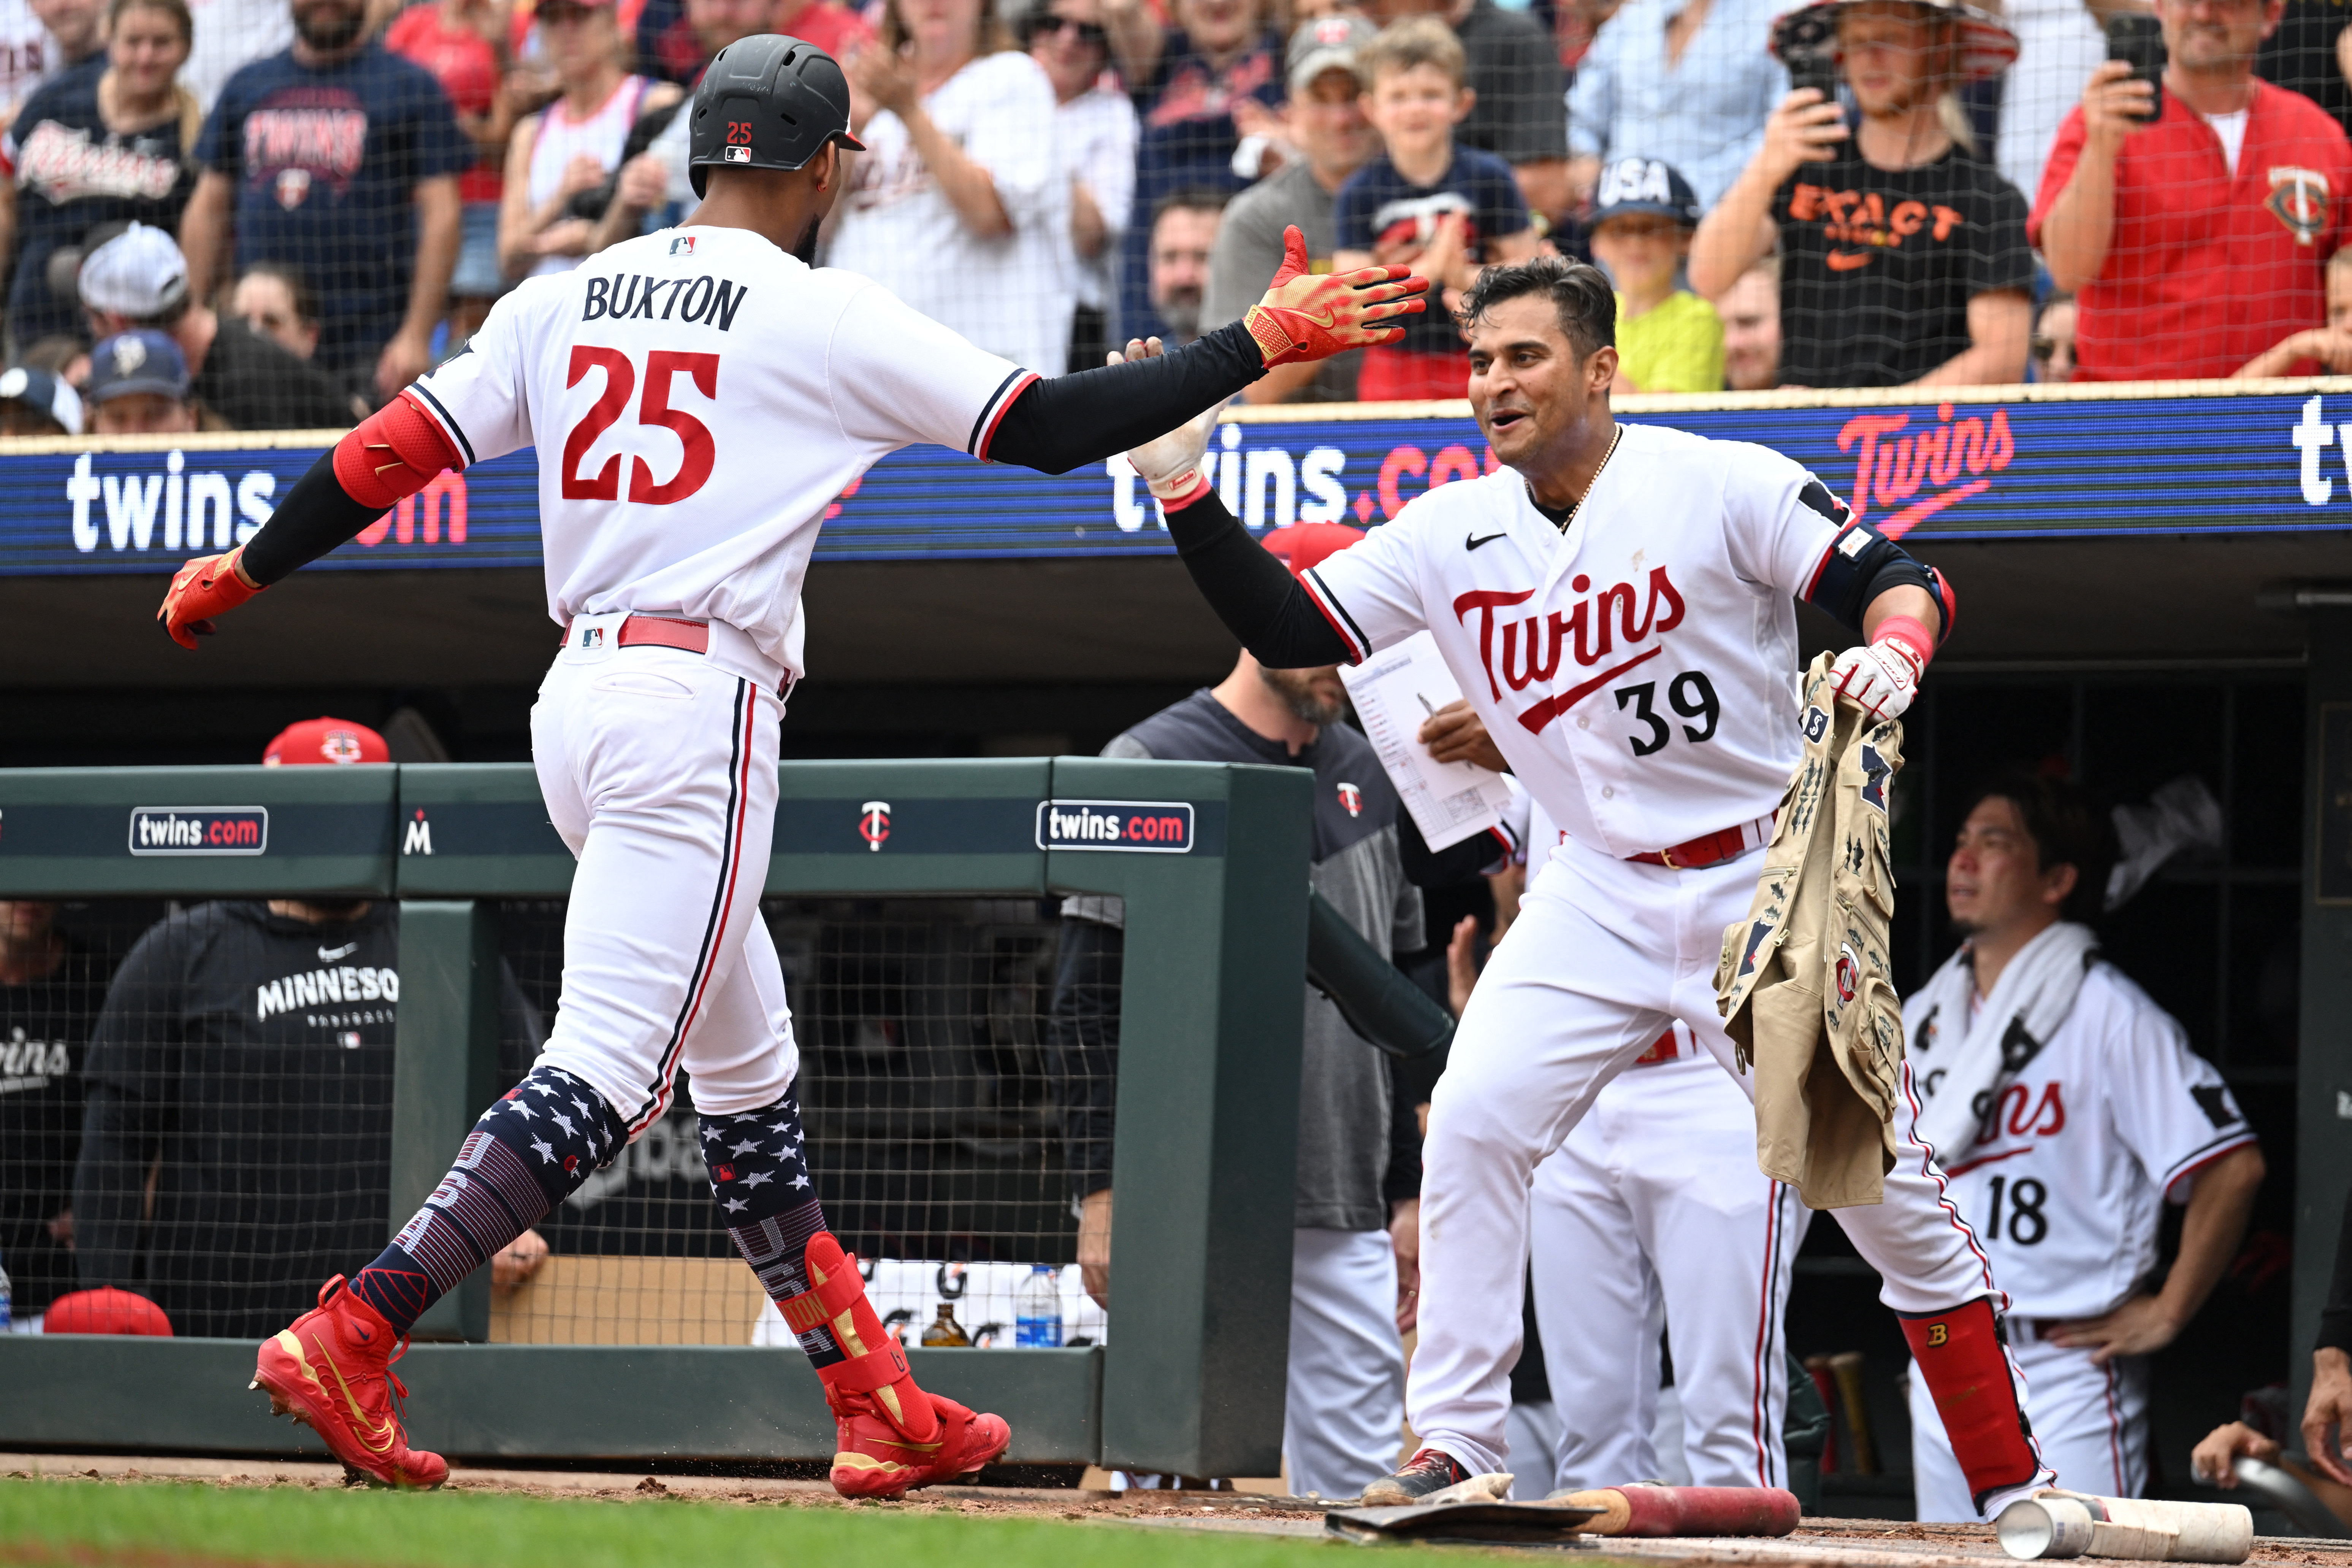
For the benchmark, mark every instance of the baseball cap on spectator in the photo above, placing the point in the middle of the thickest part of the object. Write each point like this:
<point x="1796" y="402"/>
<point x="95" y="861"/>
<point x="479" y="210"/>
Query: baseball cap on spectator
<point x="1326" y="44"/>
<point x="44" y="393"/>
<point x="1643" y="185"/>
<point x="140" y="273"/>
<point x="1986" y="46"/>
<point x="142" y="360"/>
<point x="1303" y="546"/>
<point x="106" y="1311"/>
<point x="316" y="742"/>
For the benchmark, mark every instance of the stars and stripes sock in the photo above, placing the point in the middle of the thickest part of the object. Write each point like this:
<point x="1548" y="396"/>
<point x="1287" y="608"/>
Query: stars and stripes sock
<point x="529" y="1153"/>
<point x="758" y="1173"/>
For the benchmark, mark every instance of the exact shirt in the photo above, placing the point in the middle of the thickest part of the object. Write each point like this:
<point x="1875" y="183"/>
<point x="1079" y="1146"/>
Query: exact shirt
<point x="1639" y="674"/>
<point x="72" y="174"/>
<point x="1878" y="266"/>
<point x="2111" y="1119"/>
<point x="466" y="66"/>
<point x="1249" y="250"/>
<point x="1704" y="114"/>
<point x="325" y="164"/>
<point x="1382" y="212"/>
<point x="705" y="365"/>
<point x="2206" y="269"/>
<point x="1675" y="346"/>
<point x="1012" y="296"/>
<point x="44" y="1047"/>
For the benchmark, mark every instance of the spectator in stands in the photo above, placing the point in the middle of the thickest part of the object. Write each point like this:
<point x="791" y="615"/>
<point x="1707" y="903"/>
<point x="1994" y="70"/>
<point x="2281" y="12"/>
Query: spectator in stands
<point x="1324" y="120"/>
<point x="372" y="218"/>
<point x="77" y="31"/>
<point x="1684" y="82"/>
<point x="2054" y="335"/>
<point x="275" y="301"/>
<point x="230" y="35"/>
<point x="1427" y="201"/>
<point x="1184" y="232"/>
<point x="38" y="402"/>
<point x="2058" y="43"/>
<point x="2307" y="53"/>
<point x="460" y="42"/>
<point x="50" y="990"/>
<point x="243" y="379"/>
<point x="2329" y="347"/>
<point x="238" y="1095"/>
<point x="1751" y="328"/>
<point x="2236" y="192"/>
<point x="1518" y="109"/>
<point x="573" y="145"/>
<point x="677" y="38"/>
<point x="1903" y="250"/>
<point x="1668" y="339"/>
<point x="139" y="386"/>
<point x="92" y="151"/>
<point x="959" y="203"/>
<point x="1357" y="1238"/>
<point x="1201" y="88"/>
<point x="1095" y="125"/>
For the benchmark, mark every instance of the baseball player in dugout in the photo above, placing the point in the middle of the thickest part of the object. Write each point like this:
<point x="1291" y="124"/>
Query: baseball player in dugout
<point x="2071" y="1109"/>
<point x="1617" y="603"/>
<point x="697" y="397"/>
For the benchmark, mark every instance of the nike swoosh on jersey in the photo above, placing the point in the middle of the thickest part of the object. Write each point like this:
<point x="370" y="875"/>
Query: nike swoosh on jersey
<point x="1473" y="541"/>
<point x="329" y="955"/>
<point x="1847" y="261"/>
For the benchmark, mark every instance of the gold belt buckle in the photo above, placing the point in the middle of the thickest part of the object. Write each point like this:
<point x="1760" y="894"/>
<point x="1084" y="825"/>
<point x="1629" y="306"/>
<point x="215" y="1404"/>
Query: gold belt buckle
<point x="1666" y="858"/>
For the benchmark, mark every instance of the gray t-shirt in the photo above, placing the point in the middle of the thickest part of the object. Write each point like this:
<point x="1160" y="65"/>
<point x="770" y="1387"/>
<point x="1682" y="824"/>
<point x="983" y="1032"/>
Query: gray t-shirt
<point x="1249" y="250"/>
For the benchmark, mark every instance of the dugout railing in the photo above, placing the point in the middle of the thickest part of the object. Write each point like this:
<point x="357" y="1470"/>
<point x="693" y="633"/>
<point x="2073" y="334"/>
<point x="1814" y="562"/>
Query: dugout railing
<point x="1212" y="861"/>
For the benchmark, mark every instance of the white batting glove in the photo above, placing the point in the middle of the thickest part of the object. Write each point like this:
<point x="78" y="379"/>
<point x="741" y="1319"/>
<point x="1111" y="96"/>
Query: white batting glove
<point x="1170" y="466"/>
<point x="1881" y="679"/>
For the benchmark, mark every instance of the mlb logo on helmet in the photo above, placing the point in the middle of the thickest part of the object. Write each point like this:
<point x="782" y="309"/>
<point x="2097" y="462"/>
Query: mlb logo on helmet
<point x="738" y="155"/>
<point x="1352" y="799"/>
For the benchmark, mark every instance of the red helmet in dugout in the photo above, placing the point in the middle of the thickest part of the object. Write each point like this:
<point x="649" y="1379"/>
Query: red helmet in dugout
<point x="320" y="742"/>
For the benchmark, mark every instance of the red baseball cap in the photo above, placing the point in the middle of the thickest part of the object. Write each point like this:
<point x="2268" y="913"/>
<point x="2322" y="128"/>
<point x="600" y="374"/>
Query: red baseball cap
<point x="317" y="741"/>
<point x="106" y="1311"/>
<point x="1305" y="545"/>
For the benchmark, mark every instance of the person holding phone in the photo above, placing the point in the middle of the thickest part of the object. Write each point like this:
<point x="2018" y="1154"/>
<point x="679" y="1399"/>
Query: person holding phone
<point x="2155" y="206"/>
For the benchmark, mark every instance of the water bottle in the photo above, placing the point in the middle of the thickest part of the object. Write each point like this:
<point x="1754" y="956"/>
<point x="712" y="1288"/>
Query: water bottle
<point x="1037" y="1310"/>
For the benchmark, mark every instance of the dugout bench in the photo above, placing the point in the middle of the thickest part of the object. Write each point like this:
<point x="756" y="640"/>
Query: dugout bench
<point x="1212" y="860"/>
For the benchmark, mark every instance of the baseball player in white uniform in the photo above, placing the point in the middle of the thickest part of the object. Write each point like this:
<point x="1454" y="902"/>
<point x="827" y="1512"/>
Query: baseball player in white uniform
<point x="1616" y="603"/>
<point x="2070" y="1110"/>
<point x="696" y="396"/>
<point x="1654" y="1204"/>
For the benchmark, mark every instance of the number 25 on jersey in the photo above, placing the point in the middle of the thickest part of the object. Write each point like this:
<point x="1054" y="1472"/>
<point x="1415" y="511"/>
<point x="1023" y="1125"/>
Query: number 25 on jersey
<point x="663" y="366"/>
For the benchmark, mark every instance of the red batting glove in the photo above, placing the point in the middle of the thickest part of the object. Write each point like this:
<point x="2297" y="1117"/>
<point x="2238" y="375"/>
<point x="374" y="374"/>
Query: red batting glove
<point x="201" y="590"/>
<point x="1304" y="317"/>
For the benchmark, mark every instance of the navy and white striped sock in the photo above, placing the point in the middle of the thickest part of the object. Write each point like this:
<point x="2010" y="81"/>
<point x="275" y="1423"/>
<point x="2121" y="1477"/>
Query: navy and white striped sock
<point x="759" y="1174"/>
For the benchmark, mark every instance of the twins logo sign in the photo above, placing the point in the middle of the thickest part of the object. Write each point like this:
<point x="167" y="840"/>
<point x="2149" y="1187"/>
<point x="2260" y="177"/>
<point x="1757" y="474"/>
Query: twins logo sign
<point x="199" y="829"/>
<point x="1147" y="827"/>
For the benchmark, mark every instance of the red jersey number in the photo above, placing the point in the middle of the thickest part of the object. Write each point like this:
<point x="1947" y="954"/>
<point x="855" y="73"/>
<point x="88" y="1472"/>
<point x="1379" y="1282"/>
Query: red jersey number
<point x="662" y="367"/>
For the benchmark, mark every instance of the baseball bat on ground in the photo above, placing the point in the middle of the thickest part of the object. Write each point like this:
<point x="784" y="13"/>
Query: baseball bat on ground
<point x="1846" y="1366"/>
<point x="1817" y="1367"/>
<point x="1654" y="1510"/>
<point x="2054" y="1523"/>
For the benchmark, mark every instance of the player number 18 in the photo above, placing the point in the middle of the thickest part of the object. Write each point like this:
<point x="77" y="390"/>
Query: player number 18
<point x="2027" y="1225"/>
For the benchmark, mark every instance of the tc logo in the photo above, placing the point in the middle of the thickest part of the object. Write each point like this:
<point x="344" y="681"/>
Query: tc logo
<point x="1939" y="1334"/>
<point x="874" y="824"/>
<point x="1849" y="975"/>
<point x="1352" y="799"/>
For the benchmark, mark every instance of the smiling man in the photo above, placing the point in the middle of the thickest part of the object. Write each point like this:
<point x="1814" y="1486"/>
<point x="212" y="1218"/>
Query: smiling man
<point x="1617" y="603"/>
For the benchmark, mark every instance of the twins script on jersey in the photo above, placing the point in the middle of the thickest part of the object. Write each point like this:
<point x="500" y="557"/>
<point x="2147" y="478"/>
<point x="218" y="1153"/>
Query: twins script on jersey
<point x="697" y="397"/>
<point x="1639" y="673"/>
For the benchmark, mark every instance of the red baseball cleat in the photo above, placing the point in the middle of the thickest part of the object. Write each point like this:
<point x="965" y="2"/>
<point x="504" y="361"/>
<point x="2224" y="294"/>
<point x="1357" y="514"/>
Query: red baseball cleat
<point x="877" y="1460"/>
<point x="331" y="1371"/>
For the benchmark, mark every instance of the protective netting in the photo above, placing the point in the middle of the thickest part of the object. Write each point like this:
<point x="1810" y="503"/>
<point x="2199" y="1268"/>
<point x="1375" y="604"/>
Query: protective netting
<point x="1961" y="195"/>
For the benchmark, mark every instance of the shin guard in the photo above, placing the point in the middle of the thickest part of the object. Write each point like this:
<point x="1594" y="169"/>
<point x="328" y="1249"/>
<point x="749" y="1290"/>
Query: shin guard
<point x="871" y="1363"/>
<point x="1963" y="1353"/>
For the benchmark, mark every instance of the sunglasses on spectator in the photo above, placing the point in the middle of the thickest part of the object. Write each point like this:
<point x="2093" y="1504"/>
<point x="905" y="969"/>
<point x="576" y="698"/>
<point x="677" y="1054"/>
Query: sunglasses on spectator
<point x="1089" y="33"/>
<point x="2045" y="347"/>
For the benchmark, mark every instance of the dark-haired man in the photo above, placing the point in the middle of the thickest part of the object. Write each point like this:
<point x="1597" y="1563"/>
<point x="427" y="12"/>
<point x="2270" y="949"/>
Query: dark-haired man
<point x="2070" y="1110"/>
<point x="1616" y="602"/>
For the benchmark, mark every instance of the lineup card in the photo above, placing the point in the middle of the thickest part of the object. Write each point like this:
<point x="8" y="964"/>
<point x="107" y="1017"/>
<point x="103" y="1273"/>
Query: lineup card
<point x="1395" y="691"/>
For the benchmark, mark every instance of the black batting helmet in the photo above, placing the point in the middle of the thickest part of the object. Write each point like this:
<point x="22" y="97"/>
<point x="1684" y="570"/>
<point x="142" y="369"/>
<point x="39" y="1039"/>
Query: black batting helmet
<point x="767" y="102"/>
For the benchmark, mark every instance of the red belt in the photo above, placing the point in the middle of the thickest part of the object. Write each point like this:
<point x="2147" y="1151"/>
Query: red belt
<point x="1662" y="1050"/>
<point x="1709" y="849"/>
<point x="660" y="632"/>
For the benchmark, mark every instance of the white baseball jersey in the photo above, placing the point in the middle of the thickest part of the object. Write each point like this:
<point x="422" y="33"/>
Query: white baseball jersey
<point x="1639" y="673"/>
<point x="2113" y="1117"/>
<point x="697" y="397"/>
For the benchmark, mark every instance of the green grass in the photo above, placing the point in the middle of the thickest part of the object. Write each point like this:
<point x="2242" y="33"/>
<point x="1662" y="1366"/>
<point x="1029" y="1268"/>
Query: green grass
<point x="291" y="1525"/>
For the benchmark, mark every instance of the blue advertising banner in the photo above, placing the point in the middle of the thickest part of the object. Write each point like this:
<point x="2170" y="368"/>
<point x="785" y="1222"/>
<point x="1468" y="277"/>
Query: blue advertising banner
<point x="2021" y="468"/>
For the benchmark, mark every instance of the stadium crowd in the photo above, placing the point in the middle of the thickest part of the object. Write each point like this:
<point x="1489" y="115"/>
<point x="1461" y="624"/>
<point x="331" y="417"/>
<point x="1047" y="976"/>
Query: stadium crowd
<point x="273" y="213"/>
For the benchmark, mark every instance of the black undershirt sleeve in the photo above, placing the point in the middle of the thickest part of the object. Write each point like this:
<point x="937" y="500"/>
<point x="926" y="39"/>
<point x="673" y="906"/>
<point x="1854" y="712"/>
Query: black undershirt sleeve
<point x="2335" y="1316"/>
<point x="1067" y="422"/>
<point x="1252" y="592"/>
<point x="317" y="515"/>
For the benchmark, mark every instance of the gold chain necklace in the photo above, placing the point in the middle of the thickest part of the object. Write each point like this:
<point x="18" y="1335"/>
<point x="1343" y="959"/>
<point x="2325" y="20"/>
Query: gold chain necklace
<point x="1616" y="435"/>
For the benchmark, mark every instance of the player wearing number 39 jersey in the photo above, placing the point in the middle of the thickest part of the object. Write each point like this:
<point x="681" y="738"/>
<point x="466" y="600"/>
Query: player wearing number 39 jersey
<point x="1618" y="605"/>
<point x="697" y="397"/>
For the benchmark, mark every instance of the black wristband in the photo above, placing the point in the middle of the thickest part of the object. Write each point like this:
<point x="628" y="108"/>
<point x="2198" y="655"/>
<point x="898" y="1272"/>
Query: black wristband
<point x="317" y="515"/>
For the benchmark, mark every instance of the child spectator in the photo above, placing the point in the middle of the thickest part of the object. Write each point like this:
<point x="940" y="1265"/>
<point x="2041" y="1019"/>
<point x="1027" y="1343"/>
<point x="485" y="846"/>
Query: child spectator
<point x="1426" y="202"/>
<point x="1751" y="328"/>
<point x="1668" y="339"/>
<point x="275" y="301"/>
<point x="458" y="41"/>
<point x="2329" y="346"/>
<point x="94" y="151"/>
<point x="573" y="145"/>
<point x="2053" y="336"/>
<point x="139" y="386"/>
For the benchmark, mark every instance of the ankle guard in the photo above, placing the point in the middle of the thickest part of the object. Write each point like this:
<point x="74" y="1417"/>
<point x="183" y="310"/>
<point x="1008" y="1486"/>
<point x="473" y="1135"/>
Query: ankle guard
<point x="1963" y="1353"/>
<point x="872" y="1362"/>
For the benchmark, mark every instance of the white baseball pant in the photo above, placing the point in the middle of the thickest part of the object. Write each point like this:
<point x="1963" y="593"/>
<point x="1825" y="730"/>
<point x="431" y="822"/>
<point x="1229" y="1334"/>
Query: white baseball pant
<point x="1605" y="956"/>
<point x="1343" y="1417"/>
<point x="2090" y="1421"/>
<point x="1654" y="1199"/>
<point x="659" y="771"/>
